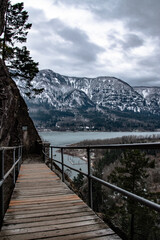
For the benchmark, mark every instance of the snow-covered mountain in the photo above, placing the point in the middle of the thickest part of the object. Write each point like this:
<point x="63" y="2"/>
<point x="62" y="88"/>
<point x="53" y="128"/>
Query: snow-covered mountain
<point x="62" y="91"/>
<point x="90" y="102"/>
<point x="152" y="97"/>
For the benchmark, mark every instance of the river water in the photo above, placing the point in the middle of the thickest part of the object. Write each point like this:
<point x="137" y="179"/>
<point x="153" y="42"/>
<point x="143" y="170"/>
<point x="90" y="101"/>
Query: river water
<point x="65" y="138"/>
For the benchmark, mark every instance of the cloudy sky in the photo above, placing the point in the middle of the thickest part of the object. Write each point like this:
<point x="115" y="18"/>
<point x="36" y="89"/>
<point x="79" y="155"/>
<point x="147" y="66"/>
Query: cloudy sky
<point x="91" y="38"/>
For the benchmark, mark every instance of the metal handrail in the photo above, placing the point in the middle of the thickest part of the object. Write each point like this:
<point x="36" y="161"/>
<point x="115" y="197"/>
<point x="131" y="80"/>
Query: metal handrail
<point x="3" y="177"/>
<point x="153" y="145"/>
<point x="10" y="148"/>
<point x="90" y="177"/>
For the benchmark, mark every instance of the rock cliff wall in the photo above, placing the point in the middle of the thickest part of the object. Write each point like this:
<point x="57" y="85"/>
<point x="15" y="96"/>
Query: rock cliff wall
<point x="16" y="127"/>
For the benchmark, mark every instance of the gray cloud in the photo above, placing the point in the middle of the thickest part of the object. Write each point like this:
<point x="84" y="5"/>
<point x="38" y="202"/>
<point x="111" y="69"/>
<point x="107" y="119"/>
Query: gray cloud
<point x="131" y="41"/>
<point x="138" y="15"/>
<point x="151" y="66"/>
<point x="143" y="15"/>
<point x="75" y="51"/>
<point x="37" y="15"/>
<point x="150" y="80"/>
<point x="75" y="44"/>
<point x="70" y="51"/>
<point x="151" y="63"/>
<point x="81" y="46"/>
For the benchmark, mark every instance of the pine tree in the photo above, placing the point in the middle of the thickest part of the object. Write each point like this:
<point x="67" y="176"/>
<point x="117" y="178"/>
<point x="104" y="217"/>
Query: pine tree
<point x="17" y="59"/>
<point x="78" y="180"/>
<point x="24" y="68"/>
<point x="96" y="186"/>
<point x="136" y="220"/>
<point x="15" y="28"/>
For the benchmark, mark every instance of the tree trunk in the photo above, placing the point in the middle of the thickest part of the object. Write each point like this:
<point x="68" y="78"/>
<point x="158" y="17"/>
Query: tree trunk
<point x="3" y="6"/>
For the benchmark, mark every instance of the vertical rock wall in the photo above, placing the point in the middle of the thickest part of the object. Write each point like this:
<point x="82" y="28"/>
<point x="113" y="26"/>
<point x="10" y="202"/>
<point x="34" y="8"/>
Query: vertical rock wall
<point x="16" y="127"/>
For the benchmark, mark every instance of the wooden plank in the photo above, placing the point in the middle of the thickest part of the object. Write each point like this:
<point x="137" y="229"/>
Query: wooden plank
<point x="113" y="237"/>
<point x="42" y="207"/>
<point x="27" y="201"/>
<point x="22" y="196"/>
<point x="45" y="212"/>
<point x="33" y="215"/>
<point x="50" y="222"/>
<point x="102" y="235"/>
<point x="50" y="227"/>
<point x="46" y="218"/>
<point x="57" y="232"/>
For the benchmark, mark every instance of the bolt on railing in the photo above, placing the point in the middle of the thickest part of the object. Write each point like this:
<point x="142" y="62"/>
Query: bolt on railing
<point x="90" y="177"/>
<point x="3" y="176"/>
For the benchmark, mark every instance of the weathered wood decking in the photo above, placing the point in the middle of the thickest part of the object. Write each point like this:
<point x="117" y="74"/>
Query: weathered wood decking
<point x="42" y="207"/>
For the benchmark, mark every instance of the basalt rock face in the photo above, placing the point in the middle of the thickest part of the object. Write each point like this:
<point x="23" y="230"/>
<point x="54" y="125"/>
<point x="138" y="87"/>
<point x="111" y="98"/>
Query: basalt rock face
<point x="16" y="127"/>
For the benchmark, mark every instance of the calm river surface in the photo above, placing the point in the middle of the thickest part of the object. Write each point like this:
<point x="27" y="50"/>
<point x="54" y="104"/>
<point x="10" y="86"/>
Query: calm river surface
<point x="66" y="138"/>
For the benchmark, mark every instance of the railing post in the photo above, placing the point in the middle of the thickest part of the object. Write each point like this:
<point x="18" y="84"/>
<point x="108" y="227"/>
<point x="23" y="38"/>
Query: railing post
<point x="44" y="153"/>
<point x="1" y="187"/>
<point x="52" y="158"/>
<point x="89" y="179"/>
<point x="21" y="153"/>
<point x="14" y="170"/>
<point x="62" y="160"/>
<point x="18" y="158"/>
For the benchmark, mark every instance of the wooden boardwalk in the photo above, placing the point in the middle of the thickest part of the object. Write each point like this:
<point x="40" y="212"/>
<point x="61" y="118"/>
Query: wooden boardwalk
<point x="42" y="207"/>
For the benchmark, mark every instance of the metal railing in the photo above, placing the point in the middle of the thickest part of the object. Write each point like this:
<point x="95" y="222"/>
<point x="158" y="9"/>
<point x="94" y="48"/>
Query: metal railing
<point x="89" y="175"/>
<point x="16" y="152"/>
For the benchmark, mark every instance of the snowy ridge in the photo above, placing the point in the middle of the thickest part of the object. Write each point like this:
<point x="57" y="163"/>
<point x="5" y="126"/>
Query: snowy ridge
<point x="106" y="92"/>
<point x="95" y="103"/>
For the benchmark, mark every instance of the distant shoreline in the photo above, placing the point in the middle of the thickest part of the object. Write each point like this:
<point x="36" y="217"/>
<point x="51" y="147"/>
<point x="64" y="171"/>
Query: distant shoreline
<point x="138" y="131"/>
